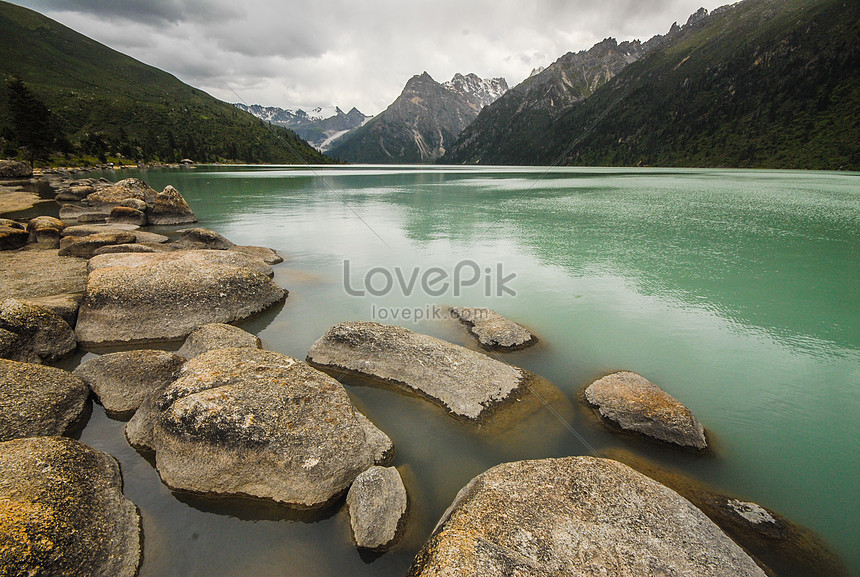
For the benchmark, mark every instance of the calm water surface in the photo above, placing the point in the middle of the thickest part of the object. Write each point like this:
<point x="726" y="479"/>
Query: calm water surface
<point x="736" y="291"/>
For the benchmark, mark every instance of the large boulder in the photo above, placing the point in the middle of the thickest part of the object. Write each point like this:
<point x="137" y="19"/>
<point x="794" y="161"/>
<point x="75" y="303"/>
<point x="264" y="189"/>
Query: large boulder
<point x="377" y="505"/>
<point x="126" y="215"/>
<point x="254" y="423"/>
<point x="492" y="330"/>
<point x="86" y="246"/>
<point x="165" y="296"/>
<point x="217" y="336"/>
<point x="634" y="403"/>
<point x="466" y="383"/>
<point x="168" y="207"/>
<point x="63" y="305"/>
<point x="38" y="273"/>
<point x="15" y="169"/>
<point x="576" y="516"/>
<point x="202" y="238"/>
<point x="122" y="380"/>
<point x="62" y="511"/>
<point x="36" y="400"/>
<point x="43" y="334"/>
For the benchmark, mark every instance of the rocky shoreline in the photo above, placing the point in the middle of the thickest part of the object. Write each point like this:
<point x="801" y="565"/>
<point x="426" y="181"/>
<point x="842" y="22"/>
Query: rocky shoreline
<point x="224" y="417"/>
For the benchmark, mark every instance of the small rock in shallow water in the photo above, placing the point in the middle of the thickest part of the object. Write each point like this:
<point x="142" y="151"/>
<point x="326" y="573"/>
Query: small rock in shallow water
<point x="217" y="336"/>
<point x="492" y="330"/>
<point x="636" y="404"/>
<point x="377" y="505"/>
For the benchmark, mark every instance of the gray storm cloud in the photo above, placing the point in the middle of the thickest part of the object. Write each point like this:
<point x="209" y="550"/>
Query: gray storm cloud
<point x="303" y="53"/>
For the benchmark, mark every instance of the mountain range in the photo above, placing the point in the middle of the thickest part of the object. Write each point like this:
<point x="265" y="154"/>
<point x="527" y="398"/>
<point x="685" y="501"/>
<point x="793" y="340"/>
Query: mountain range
<point x="104" y="104"/>
<point x="320" y="126"/>
<point x="419" y="125"/>
<point x="760" y="83"/>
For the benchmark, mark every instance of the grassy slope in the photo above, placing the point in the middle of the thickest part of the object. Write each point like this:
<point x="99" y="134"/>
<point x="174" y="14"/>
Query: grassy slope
<point x="93" y="89"/>
<point x="770" y="83"/>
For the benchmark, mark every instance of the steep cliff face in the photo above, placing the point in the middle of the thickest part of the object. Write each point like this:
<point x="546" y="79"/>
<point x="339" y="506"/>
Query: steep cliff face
<point x="422" y="122"/>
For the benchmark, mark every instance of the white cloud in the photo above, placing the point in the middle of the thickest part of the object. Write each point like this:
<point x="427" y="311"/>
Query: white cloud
<point x="303" y="53"/>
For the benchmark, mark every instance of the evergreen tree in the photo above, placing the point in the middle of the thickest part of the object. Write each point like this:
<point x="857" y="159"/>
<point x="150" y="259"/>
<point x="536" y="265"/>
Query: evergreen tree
<point x="32" y="122"/>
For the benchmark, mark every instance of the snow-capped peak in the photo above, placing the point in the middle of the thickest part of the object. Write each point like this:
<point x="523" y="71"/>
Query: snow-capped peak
<point x="482" y="91"/>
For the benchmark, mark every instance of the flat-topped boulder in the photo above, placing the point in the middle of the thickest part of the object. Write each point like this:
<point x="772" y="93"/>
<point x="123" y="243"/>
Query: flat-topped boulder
<point x="203" y="238"/>
<point x="217" y="336"/>
<point x="45" y="231"/>
<point x="86" y="246"/>
<point x="466" y="383"/>
<point x="254" y="423"/>
<point x="43" y="335"/>
<point x="126" y="215"/>
<point x="135" y="298"/>
<point x="39" y="273"/>
<point x="576" y="516"/>
<point x="492" y="330"/>
<point x="122" y="380"/>
<point x="62" y="511"/>
<point x="377" y="505"/>
<point x="634" y="403"/>
<point x="63" y="305"/>
<point x="36" y="400"/>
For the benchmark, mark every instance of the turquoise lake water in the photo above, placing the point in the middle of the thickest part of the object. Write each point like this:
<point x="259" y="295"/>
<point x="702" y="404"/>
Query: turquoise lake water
<point x="738" y="292"/>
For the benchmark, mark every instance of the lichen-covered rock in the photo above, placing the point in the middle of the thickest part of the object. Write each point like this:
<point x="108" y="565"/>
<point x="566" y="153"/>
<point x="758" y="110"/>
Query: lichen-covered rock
<point x="45" y="231"/>
<point x="382" y="448"/>
<point x="62" y="511"/>
<point x="576" y="516"/>
<point x="125" y="248"/>
<point x="12" y="238"/>
<point x="8" y="222"/>
<point x="124" y="189"/>
<point x="63" y="305"/>
<point x="636" y="404"/>
<point x="492" y="330"/>
<point x="168" y="207"/>
<point x="377" y="505"/>
<point x="268" y="255"/>
<point x="137" y="298"/>
<point x="86" y="246"/>
<point x="217" y="336"/>
<point x="140" y="236"/>
<point x="468" y="384"/>
<point x="15" y="169"/>
<point x="36" y="400"/>
<point x="44" y="335"/>
<point x="126" y="215"/>
<point x="254" y="423"/>
<point x="122" y="380"/>
<point x="134" y="203"/>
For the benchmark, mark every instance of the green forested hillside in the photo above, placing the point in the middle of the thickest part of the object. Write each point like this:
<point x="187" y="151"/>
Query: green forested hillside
<point x="764" y="83"/>
<point x="104" y="102"/>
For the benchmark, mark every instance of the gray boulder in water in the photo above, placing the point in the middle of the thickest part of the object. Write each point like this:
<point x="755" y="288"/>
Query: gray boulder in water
<point x="576" y="516"/>
<point x="254" y="423"/>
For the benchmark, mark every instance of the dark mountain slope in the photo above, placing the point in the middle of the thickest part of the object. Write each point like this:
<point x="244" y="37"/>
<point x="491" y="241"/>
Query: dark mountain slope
<point x="763" y="83"/>
<point x="98" y="93"/>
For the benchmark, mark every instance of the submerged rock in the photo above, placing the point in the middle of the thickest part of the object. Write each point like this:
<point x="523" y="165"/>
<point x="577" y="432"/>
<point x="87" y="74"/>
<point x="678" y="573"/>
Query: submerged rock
<point x="576" y="516"/>
<point x="217" y="336"/>
<point x="468" y="384"/>
<point x="62" y="511"/>
<point x="164" y="296"/>
<point x="37" y="401"/>
<point x="492" y="330"/>
<point x="124" y="379"/>
<point x="254" y="423"/>
<point x="43" y="335"/>
<point x="636" y="404"/>
<point x="377" y="505"/>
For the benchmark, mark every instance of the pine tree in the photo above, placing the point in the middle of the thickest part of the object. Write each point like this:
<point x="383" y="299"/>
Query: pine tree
<point x="32" y="122"/>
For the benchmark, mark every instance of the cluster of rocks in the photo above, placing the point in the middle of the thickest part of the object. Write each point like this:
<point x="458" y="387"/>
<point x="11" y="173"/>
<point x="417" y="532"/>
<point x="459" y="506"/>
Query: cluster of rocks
<point x="224" y="417"/>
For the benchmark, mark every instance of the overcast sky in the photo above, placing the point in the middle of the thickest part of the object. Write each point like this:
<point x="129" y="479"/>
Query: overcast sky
<point x="354" y="53"/>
